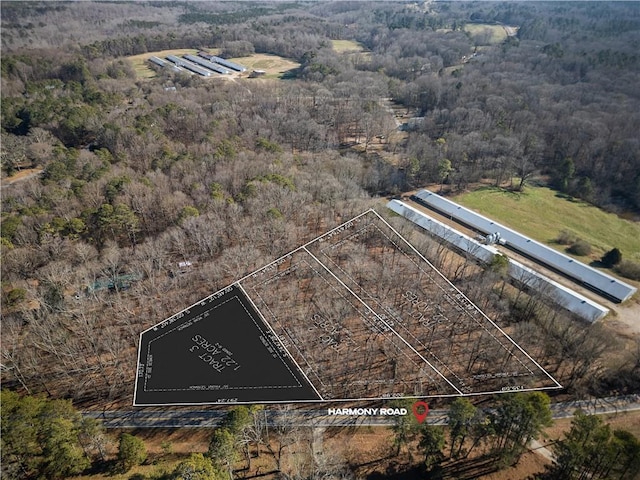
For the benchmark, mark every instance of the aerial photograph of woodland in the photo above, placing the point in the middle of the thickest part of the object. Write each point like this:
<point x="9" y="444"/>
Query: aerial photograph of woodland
<point x="155" y="152"/>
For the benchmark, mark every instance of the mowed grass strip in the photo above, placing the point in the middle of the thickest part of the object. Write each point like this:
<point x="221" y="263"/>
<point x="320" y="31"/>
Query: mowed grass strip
<point x="494" y="33"/>
<point x="542" y="214"/>
<point x="341" y="46"/>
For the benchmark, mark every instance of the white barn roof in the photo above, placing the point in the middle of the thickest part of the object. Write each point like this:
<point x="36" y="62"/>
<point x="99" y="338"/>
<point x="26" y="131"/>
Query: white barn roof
<point x="565" y="297"/>
<point x="229" y="64"/>
<point x="599" y="281"/>
<point x="189" y="66"/>
<point x="206" y="64"/>
<point x="158" y="61"/>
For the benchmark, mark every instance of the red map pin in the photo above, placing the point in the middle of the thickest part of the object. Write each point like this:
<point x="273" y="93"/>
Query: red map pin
<point x="420" y="410"/>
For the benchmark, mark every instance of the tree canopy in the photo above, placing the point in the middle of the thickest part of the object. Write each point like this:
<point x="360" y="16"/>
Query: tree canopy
<point x="131" y="451"/>
<point x="41" y="438"/>
<point x="591" y="449"/>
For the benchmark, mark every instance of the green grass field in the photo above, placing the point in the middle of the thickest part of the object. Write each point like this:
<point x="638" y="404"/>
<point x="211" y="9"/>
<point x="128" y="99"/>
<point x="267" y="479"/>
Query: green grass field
<point x="274" y="65"/>
<point x="542" y="214"/>
<point x="342" y="46"/>
<point x="495" y="33"/>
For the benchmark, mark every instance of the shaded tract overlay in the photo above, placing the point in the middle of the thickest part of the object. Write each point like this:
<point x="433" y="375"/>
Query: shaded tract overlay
<point x="217" y="351"/>
<point x="409" y="298"/>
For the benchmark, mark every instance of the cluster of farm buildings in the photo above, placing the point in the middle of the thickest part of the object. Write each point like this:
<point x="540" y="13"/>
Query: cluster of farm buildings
<point x="599" y="282"/>
<point x="203" y="64"/>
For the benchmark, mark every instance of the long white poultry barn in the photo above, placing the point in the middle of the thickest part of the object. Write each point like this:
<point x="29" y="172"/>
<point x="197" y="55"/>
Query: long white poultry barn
<point x="600" y="282"/>
<point x="565" y="297"/>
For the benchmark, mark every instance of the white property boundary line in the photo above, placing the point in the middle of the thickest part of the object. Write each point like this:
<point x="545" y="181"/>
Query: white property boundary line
<point x="261" y="268"/>
<point x="278" y="339"/>
<point x="474" y="305"/>
<point x="235" y="297"/>
<point x="385" y="323"/>
<point x="207" y="298"/>
<point x="343" y="295"/>
<point x="304" y="247"/>
<point x="464" y="313"/>
<point x="135" y="386"/>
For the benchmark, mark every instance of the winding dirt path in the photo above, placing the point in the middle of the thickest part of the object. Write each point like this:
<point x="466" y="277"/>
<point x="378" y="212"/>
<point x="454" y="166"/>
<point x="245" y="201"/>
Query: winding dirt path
<point x="21" y="176"/>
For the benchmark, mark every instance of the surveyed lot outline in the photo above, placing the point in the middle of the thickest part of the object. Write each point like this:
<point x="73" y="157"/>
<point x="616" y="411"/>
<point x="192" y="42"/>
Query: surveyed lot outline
<point x="355" y="314"/>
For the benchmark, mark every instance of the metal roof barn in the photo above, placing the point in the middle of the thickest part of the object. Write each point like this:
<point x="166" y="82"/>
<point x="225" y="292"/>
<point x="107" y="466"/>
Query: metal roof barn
<point x="158" y="61"/>
<point x="189" y="66"/>
<point x="174" y="59"/>
<point x="204" y="63"/>
<point x="228" y="64"/>
<point x="600" y="282"/>
<point x="565" y="297"/>
<point x="206" y="56"/>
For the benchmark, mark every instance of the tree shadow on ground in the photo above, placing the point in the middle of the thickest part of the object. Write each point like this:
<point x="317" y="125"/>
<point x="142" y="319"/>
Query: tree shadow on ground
<point x="104" y="467"/>
<point x="109" y="468"/>
<point x="260" y="474"/>
<point x="394" y="471"/>
<point x="466" y="469"/>
<point x="511" y="191"/>
<point x="567" y="197"/>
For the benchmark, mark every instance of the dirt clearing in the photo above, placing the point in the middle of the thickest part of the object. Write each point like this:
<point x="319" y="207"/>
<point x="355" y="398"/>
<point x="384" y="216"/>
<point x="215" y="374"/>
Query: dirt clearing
<point x="21" y="175"/>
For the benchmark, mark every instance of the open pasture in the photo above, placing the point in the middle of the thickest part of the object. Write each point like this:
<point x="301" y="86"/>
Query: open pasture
<point x="342" y="46"/>
<point x="485" y="34"/>
<point x="542" y="213"/>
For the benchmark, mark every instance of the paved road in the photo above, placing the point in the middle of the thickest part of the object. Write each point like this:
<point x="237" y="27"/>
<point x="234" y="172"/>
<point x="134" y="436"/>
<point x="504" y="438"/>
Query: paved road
<point x="177" y="418"/>
<point x="598" y="406"/>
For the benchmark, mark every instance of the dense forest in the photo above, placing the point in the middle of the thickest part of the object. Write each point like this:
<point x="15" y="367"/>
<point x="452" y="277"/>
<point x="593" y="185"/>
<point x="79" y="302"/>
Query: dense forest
<point x="139" y="175"/>
<point x="558" y="98"/>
